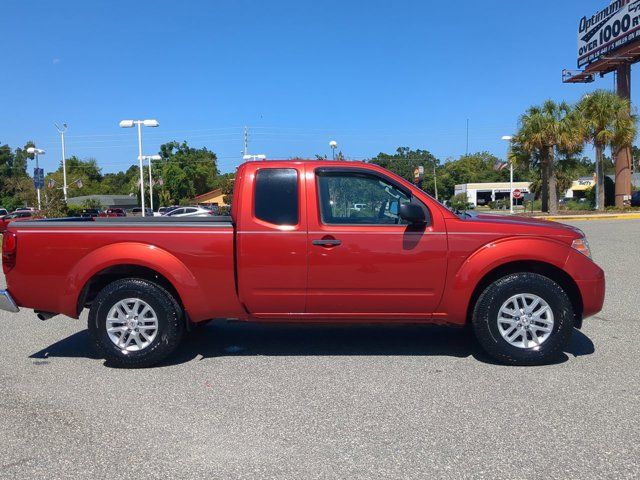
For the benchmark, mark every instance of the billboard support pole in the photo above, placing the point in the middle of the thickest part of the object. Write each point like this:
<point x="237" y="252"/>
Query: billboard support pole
<point x="623" y="156"/>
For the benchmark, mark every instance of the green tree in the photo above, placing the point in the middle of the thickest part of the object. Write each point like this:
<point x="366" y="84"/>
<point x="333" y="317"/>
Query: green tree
<point x="405" y="161"/>
<point x="545" y="131"/>
<point x="606" y="122"/>
<point x="84" y="177"/>
<point x="185" y="171"/>
<point x="473" y="168"/>
<point x="226" y="182"/>
<point x="16" y="187"/>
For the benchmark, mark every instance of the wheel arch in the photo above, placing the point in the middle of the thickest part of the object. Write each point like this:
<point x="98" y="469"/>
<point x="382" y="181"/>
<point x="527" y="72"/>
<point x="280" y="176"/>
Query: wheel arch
<point x="135" y="260"/>
<point x="104" y="277"/>
<point x="545" y="269"/>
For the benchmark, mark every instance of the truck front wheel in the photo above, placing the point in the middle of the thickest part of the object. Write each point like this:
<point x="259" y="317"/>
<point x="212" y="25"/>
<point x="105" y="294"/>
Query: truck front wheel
<point x="135" y="323"/>
<point x="523" y="319"/>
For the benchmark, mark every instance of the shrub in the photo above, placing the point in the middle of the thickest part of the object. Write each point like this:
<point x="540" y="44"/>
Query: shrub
<point x="574" y="206"/>
<point x="74" y="210"/>
<point x="460" y="202"/>
<point x="92" y="203"/>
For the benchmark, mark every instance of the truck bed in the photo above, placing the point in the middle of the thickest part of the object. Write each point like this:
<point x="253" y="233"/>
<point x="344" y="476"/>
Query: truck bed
<point x="111" y="221"/>
<point x="58" y="257"/>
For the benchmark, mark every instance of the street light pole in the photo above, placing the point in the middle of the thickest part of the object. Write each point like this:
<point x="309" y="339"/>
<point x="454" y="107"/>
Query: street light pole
<point x="508" y="138"/>
<point x="62" y="131"/>
<point x="141" y="167"/>
<point x="149" y="158"/>
<point x="140" y="123"/>
<point x="38" y="189"/>
<point x="333" y="144"/>
<point x="36" y="152"/>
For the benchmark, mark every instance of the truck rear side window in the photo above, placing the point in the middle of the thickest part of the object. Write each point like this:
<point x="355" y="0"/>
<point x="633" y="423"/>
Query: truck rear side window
<point x="276" y="196"/>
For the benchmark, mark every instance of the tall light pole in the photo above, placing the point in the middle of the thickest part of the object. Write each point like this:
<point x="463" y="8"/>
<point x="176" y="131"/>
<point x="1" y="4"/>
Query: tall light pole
<point x="333" y="144"/>
<point x="149" y="158"/>
<point x="62" y="131"/>
<point x="508" y="138"/>
<point x="140" y="123"/>
<point x="36" y="152"/>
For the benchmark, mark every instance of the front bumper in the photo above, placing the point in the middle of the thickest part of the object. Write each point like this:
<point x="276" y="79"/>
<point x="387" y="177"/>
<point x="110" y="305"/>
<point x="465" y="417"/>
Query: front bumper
<point x="7" y="303"/>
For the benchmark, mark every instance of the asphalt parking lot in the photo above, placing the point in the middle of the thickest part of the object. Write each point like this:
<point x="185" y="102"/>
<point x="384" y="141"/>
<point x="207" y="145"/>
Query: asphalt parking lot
<point x="244" y="401"/>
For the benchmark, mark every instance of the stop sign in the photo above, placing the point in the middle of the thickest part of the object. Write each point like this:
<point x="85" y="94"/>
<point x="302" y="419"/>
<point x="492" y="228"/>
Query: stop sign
<point x="517" y="193"/>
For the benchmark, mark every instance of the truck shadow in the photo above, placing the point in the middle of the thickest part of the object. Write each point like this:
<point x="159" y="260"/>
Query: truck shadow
<point x="224" y="339"/>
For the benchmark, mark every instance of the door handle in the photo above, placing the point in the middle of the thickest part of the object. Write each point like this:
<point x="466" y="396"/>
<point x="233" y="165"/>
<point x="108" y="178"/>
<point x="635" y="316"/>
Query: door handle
<point x="328" y="242"/>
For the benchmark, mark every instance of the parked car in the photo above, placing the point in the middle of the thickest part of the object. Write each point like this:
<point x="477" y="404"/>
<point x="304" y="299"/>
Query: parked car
<point x="90" y="213"/>
<point x="165" y="210"/>
<point x="137" y="212"/>
<point x="3" y="212"/>
<point x="17" y="215"/>
<point x="635" y="199"/>
<point x="189" y="212"/>
<point x="214" y="208"/>
<point x="113" y="212"/>
<point x="293" y="250"/>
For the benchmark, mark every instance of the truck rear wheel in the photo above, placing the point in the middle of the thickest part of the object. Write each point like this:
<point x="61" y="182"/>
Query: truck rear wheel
<point x="523" y="319"/>
<point x="135" y="323"/>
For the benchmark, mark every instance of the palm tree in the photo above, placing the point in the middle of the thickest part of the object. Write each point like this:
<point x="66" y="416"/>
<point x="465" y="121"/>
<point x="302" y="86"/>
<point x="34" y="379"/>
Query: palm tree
<point x="607" y="121"/>
<point x="545" y="131"/>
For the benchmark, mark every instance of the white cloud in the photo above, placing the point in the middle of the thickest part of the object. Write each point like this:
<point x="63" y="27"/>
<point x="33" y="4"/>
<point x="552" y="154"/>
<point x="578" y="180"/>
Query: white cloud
<point x="56" y="61"/>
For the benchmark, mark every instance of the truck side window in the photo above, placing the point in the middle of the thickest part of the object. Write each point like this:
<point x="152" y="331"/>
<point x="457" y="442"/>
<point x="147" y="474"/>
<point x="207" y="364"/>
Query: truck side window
<point x="276" y="196"/>
<point x="359" y="198"/>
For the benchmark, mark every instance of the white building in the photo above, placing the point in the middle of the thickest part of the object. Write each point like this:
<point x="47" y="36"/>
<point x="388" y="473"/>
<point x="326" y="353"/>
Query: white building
<point x="482" y="193"/>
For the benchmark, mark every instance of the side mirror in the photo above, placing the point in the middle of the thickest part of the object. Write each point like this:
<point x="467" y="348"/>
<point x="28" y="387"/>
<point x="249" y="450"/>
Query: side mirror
<point x="412" y="214"/>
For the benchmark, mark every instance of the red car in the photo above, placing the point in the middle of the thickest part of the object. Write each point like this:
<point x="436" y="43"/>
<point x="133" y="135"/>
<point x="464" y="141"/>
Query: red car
<point x="19" y="215"/>
<point x="309" y="242"/>
<point x="113" y="212"/>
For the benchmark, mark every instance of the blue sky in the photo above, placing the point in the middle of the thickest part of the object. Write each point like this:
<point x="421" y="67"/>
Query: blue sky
<point x="373" y="75"/>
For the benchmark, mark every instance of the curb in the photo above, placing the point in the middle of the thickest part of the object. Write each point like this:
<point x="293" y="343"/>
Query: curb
<point x="622" y="216"/>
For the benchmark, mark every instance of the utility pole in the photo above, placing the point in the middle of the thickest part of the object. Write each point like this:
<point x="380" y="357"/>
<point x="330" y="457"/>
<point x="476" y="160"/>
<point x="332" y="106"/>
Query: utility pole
<point x="435" y="180"/>
<point x="62" y="131"/>
<point x="466" y="152"/>
<point x="508" y="138"/>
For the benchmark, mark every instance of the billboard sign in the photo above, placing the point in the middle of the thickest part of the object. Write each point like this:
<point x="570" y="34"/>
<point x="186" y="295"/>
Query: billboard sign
<point x="607" y="30"/>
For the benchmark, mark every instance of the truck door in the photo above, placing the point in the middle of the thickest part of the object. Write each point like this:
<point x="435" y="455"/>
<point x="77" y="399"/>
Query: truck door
<point x="272" y="240"/>
<point x="364" y="261"/>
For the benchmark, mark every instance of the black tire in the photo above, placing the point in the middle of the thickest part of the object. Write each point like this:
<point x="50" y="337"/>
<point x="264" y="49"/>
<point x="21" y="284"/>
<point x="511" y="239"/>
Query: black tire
<point x="487" y="308"/>
<point x="168" y="312"/>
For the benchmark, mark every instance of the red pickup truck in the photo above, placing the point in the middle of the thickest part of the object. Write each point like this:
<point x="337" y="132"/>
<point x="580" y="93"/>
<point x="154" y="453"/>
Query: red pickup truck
<point x="308" y="241"/>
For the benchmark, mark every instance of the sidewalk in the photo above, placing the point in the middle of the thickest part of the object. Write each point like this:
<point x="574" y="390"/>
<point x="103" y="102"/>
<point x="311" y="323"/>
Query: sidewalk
<point x="597" y="216"/>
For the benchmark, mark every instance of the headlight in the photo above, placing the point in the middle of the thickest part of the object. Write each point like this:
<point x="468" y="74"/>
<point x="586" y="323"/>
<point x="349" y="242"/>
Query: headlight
<point x="582" y="245"/>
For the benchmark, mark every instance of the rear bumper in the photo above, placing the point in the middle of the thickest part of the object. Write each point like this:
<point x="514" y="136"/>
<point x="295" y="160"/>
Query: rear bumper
<point x="7" y="303"/>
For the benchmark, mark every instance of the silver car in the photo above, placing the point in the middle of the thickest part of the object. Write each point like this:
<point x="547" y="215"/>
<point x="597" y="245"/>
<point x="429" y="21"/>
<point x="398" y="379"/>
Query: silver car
<point x="189" y="212"/>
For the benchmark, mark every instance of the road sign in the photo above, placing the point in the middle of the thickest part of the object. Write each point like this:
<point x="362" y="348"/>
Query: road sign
<point x="38" y="177"/>
<point x="517" y="193"/>
<point x="528" y="197"/>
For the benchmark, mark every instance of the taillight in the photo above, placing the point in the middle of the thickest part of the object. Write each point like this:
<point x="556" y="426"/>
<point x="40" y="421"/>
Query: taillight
<point x="9" y="248"/>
